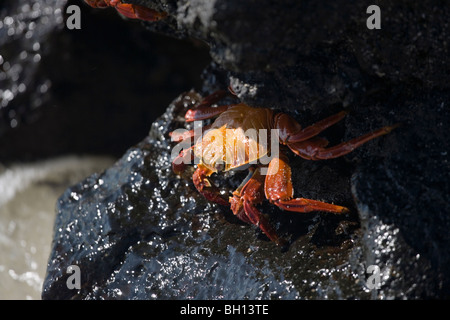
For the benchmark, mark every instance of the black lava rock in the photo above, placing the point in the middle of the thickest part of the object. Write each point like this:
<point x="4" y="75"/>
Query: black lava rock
<point x="307" y="55"/>
<point x="138" y="231"/>
<point x="403" y="198"/>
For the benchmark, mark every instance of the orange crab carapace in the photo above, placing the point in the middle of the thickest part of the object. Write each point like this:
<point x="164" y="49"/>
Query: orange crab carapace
<point x="223" y="147"/>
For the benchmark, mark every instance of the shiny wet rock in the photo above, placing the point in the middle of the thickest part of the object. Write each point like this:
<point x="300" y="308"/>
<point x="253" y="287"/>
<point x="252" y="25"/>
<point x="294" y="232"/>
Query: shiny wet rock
<point x="137" y="231"/>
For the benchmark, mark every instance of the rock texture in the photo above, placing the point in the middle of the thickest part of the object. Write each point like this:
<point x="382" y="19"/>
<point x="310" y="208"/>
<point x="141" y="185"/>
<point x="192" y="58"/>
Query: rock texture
<point x="137" y="231"/>
<point x="304" y="55"/>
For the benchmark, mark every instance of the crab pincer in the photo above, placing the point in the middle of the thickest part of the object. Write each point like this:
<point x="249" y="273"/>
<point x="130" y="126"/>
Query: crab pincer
<point x="279" y="191"/>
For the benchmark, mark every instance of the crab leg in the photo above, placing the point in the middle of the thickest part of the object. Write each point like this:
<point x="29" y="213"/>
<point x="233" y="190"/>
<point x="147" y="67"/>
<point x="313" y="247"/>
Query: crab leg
<point x="244" y="201"/>
<point x="314" y="149"/>
<point x="132" y="11"/>
<point x="184" y="135"/>
<point x="279" y="191"/>
<point x="213" y="98"/>
<point x="204" y="110"/>
<point x="290" y="130"/>
<point x="97" y="3"/>
<point x="201" y="112"/>
<point x="205" y="187"/>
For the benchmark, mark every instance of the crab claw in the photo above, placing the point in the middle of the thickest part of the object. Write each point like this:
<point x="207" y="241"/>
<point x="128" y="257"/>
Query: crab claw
<point x="205" y="187"/>
<point x="244" y="201"/>
<point x="278" y="190"/>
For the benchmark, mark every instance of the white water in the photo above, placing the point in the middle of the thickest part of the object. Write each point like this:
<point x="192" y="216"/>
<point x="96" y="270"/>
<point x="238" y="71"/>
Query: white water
<point x="28" y="195"/>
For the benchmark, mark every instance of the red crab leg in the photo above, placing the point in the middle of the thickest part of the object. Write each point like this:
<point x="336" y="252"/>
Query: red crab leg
<point x="134" y="11"/>
<point x="201" y="112"/>
<point x="237" y="205"/>
<point x="177" y="137"/>
<point x="205" y="187"/>
<point x="204" y="110"/>
<point x="213" y="98"/>
<point x="258" y="219"/>
<point x="314" y="149"/>
<point x="244" y="201"/>
<point x="97" y="3"/>
<point x="278" y="189"/>
<point x="290" y="130"/>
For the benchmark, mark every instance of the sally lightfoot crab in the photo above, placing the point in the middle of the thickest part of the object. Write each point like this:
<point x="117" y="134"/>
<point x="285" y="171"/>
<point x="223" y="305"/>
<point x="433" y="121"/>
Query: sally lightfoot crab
<point x="132" y="11"/>
<point x="234" y="141"/>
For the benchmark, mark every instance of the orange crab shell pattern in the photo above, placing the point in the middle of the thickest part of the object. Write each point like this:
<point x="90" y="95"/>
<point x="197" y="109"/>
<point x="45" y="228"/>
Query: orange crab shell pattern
<point x="233" y="139"/>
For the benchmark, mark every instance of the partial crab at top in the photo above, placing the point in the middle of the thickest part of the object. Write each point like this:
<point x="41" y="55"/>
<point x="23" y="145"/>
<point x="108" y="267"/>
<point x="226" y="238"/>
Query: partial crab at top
<point x="132" y="11"/>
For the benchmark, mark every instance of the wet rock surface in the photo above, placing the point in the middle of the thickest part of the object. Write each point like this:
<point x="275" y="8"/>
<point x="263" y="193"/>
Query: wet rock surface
<point x="402" y="196"/>
<point x="138" y="231"/>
